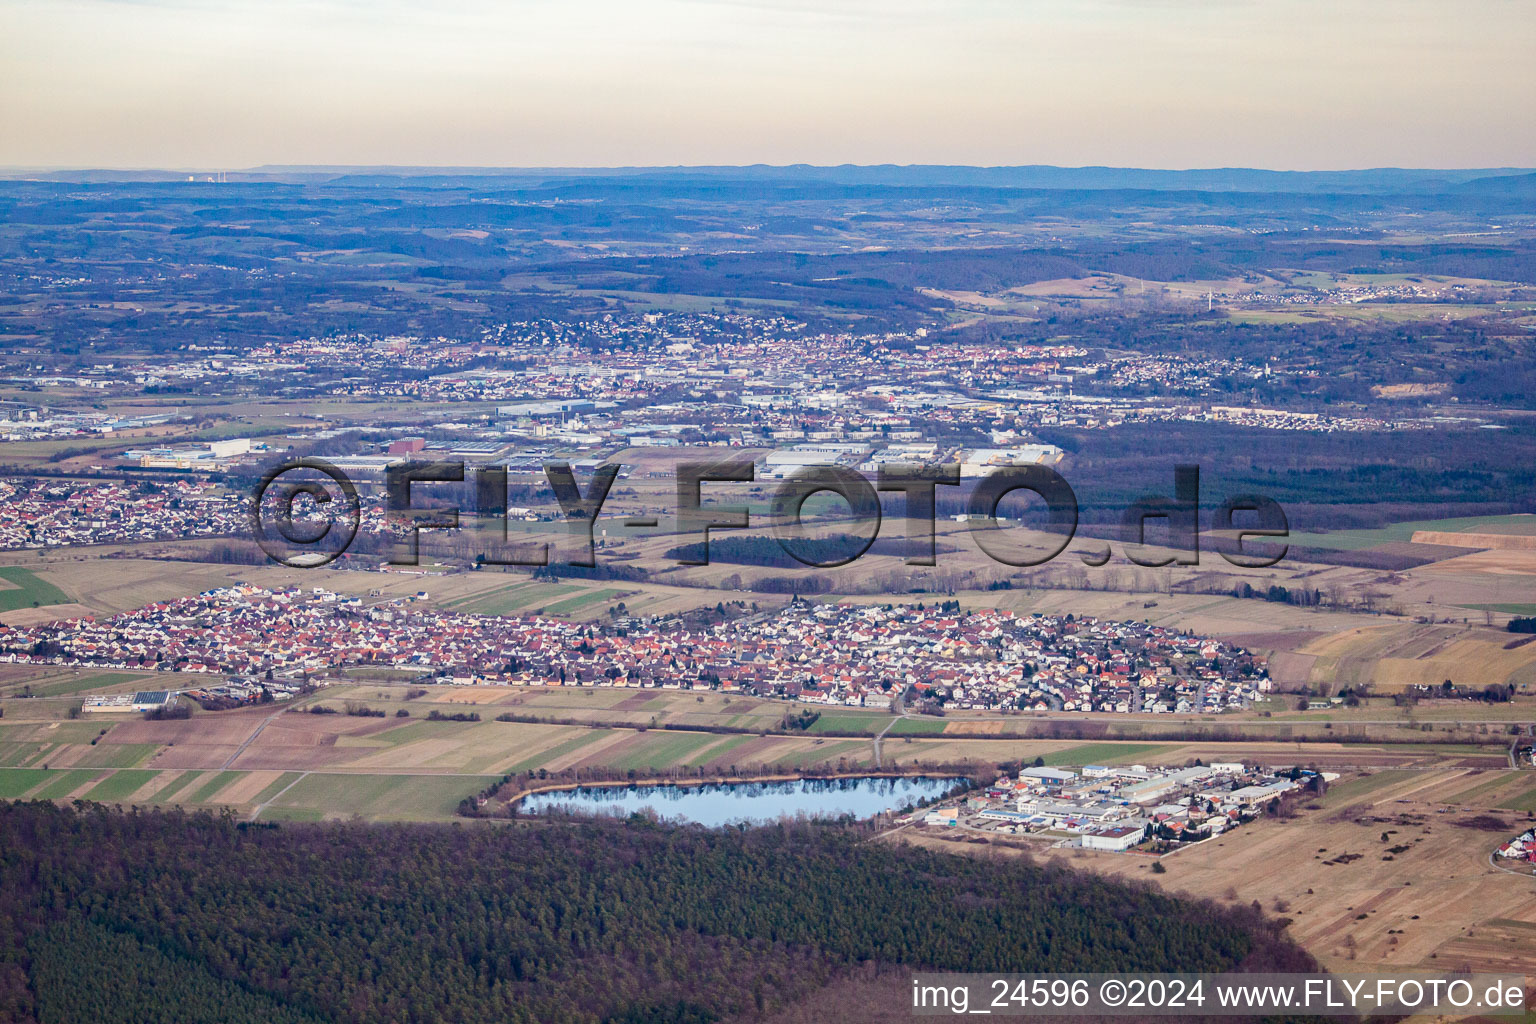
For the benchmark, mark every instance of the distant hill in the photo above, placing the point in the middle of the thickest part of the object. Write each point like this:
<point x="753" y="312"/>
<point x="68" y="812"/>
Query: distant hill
<point x="1502" y="184"/>
<point x="1039" y="176"/>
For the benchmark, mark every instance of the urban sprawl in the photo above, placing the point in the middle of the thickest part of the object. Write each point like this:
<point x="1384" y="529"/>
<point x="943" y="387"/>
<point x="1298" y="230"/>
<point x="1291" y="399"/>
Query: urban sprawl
<point x="701" y="378"/>
<point x="873" y="656"/>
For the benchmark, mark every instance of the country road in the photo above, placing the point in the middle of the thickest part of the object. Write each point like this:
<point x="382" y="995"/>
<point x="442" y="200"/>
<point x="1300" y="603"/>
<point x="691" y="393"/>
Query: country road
<point x="252" y="737"/>
<point x="1493" y="862"/>
<point x="256" y="811"/>
<point x="901" y="712"/>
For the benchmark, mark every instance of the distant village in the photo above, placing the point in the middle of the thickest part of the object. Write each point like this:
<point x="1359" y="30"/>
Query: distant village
<point x="872" y="656"/>
<point x="43" y="513"/>
<point x="47" y="514"/>
<point x="1119" y="808"/>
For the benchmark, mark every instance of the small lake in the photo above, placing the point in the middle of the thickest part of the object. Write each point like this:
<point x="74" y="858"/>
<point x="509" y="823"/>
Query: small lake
<point x="730" y="803"/>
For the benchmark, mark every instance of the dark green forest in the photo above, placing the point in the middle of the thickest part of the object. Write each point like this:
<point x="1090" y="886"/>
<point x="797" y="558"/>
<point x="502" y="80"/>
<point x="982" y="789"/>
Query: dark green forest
<point x="159" y="916"/>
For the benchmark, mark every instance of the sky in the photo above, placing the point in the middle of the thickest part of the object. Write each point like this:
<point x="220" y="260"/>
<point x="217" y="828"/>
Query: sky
<point x="1287" y="84"/>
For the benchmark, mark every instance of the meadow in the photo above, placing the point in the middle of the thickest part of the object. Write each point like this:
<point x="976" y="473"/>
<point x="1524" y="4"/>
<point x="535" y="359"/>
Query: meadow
<point x="24" y="590"/>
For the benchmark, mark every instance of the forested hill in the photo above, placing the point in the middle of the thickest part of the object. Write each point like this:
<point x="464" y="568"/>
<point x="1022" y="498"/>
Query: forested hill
<point x="157" y="916"/>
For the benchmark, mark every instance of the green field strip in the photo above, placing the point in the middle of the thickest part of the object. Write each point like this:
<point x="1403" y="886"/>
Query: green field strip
<point x="867" y="723"/>
<point x="29" y="591"/>
<point x="207" y="790"/>
<point x="916" y="726"/>
<point x="580" y="601"/>
<point x="14" y="753"/>
<point x="479" y="745"/>
<point x="475" y="603"/>
<point x="411" y="732"/>
<point x="570" y="746"/>
<point x="71" y="732"/>
<point x="1354" y="540"/>
<point x="1499" y="781"/>
<point x="277" y="786"/>
<point x="1524" y="800"/>
<point x="15" y="782"/>
<point x="708" y="754"/>
<point x="62" y="783"/>
<point x="176" y="786"/>
<point x="96" y="681"/>
<point x="39" y="756"/>
<point x="1100" y="753"/>
<point x="393" y="797"/>
<point x="1362" y="785"/>
<point x="662" y="751"/>
<point x="694" y="720"/>
<point x="861" y="750"/>
<point x="291" y="814"/>
<point x="1462" y="749"/>
<point x="502" y="602"/>
<point x="120" y="785"/>
<point x="117" y="755"/>
<point x="483" y="763"/>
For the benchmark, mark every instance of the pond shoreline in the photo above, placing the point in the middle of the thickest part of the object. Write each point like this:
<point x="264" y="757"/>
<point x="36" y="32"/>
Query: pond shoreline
<point x="953" y="783"/>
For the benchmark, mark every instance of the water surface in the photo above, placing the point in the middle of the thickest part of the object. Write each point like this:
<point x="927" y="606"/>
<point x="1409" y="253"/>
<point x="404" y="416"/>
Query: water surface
<point x="729" y="803"/>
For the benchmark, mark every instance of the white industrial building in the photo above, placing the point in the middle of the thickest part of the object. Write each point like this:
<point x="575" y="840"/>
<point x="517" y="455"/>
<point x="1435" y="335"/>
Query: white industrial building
<point x="777" y="465"/>
<point x="126" y="703"/>
<point x="1047" y="776"/>
<point x="1117" y="838"/>
<point x="981" y="461"/>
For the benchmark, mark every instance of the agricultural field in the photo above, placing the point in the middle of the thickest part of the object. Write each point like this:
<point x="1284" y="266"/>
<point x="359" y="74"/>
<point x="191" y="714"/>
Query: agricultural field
<point x="1391" y="657"/>
<point x="1380" y="721"/>
<point x="1522" y="525"/>
<point x="57" y="681"/>
<point x="587" y="705"/>
<point x="515" y="598"/>
<point x="313" y="796"/>
<point x="21" y="588"/>
<point x="1282" y="709"/>
<point x="238" y="757"/>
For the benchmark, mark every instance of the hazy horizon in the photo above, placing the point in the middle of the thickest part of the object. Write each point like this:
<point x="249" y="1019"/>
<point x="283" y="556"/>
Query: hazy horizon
<point x="1293" y="84"/>
<point x="492" y="169"/>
